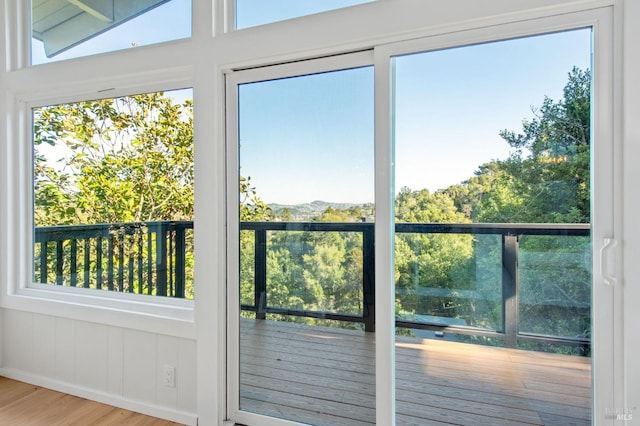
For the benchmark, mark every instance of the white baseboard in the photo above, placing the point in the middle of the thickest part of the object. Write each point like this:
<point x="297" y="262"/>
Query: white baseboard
<point x="103" y="397"/>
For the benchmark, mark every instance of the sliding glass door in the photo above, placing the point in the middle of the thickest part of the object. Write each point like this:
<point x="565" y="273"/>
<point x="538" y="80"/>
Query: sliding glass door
<point x="493" y="231"/>
<point x="303" y="192"/>
<point x="437" y="253"/>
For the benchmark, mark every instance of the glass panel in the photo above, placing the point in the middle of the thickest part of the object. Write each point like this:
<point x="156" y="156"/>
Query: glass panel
<point x="492" y="231"/>
<point x="63" y="29"/>
<point x="448" y="279"/>
<point x="250" y="13"/>
<point x="306" y="262"/>
<point x="113" y="194"/>
<point x="555" y="288"/>
<point x="326" y="265"/>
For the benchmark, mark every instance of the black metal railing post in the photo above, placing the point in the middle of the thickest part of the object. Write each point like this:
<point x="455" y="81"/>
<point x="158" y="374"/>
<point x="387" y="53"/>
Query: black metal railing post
<point x="59" y="263"/>
<point x="150" y="262"/>
<point x="140" y="259"/>
<point x="368" y="280"/>
<point x="161" y="259"/>
<point x="510" y="303"/>
<point x="171" y="282"/>
<point x="87" y="263"/>
<point x="120" y="240"/>
<point x="131" y="262"/>
<point x="43" y="262"/>
<point x="260" y="276"/>
<point x="99" y="269"/>
<point x="110" y="261"/>
<point x="73" y="266"/>
<point x="180" y="269"/>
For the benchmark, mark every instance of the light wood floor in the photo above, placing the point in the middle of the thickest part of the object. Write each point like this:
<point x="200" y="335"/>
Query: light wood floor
<point x="24" y="404"/>
<point x="325" y="376"/>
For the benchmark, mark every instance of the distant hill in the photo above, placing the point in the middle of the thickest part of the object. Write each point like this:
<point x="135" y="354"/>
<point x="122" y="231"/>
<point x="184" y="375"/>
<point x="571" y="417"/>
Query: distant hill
<point x="308" y="211"/>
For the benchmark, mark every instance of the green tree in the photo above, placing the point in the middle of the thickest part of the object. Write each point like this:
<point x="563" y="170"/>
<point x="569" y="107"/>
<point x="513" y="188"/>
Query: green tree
<point x="352" y="214"/>
<point x="423" y="206"/>
<point x="252" y="208"/>
<point x="431" y="270"/>
<point x="315" y="271"/>
<point x="117" y="160"/>
<point x="123" y="159"/>
<point x="546" y="179"/>
<point x="495" y="195"/>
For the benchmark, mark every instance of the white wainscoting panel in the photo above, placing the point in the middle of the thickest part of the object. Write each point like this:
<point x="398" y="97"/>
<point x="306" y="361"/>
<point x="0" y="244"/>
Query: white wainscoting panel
<point x="115" y="365"/>
<point x="91" y="355"/>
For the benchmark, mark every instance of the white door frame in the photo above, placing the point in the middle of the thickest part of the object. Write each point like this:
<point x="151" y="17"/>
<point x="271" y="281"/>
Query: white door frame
<point x="608" y="374"/>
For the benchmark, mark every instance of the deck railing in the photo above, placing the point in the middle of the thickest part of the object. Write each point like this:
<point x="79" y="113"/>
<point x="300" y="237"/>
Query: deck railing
<point x="137" y="257"/>
<point x="150" y="258"/>
<point x="509" y="235"/>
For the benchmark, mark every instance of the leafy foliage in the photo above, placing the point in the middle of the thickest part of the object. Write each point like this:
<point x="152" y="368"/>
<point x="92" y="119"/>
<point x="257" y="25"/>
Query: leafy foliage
<point x="127" y="159"/>
<point x="118" y="160"/>
<point x="547" y="177"/>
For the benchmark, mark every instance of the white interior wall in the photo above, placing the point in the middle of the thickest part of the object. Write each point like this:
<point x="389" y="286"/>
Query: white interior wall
<point x="122" y="365"/>
<point x="114" y="365"/>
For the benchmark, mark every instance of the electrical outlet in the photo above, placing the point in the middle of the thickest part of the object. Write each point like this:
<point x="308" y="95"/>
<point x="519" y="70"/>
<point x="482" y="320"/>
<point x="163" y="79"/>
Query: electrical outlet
<point x="169" y="376"/>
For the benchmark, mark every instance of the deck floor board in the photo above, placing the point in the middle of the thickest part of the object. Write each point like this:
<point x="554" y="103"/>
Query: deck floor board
<point x="326" y="376"/>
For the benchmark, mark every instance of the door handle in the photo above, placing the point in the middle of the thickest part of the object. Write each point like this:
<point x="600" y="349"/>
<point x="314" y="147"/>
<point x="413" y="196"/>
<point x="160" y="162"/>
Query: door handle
<point x="606" y="257"/>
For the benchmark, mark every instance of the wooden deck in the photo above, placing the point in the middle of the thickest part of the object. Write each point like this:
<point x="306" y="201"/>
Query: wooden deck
<point x="325" y="376"/>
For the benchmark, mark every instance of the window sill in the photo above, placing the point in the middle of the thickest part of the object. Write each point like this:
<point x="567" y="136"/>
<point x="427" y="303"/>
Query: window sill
<point x="174" y="317"/>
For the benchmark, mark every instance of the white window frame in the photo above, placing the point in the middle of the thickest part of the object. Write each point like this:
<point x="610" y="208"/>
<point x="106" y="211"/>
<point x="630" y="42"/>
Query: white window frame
<point x="165" y="315"/>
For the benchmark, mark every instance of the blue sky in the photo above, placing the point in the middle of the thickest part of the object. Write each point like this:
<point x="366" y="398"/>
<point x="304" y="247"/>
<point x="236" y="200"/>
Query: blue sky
<point x="310" y="138"/>
<point x="451" y="104"/>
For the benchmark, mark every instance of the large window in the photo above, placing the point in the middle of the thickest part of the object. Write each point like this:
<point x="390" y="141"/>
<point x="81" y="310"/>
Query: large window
<point x="64" y="29"/>
<point x="113" y="194"/>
